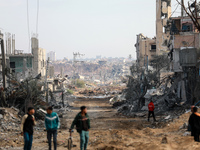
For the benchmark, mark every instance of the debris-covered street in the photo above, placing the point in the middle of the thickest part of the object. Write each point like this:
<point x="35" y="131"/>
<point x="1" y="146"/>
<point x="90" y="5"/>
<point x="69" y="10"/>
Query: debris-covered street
<point x="124" y="74"/>
<point x="110" y="130"/>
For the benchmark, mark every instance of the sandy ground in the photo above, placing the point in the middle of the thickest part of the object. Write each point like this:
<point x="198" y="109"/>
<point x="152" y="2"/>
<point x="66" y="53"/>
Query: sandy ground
<point x="114" y="132"/>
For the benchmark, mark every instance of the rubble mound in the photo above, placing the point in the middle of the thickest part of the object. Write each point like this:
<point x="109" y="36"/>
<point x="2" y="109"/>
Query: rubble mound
<point x="94" y="92"/>
<point x="101" y="91"/>
<point x="9" y="120"/>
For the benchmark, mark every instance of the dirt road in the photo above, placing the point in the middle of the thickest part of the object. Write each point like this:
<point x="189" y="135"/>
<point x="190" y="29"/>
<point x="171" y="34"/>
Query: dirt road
<point x="114" y="132"/>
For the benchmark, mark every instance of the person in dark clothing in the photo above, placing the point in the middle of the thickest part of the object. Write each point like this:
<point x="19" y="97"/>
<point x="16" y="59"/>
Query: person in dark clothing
<point x="28" y="121"/>
<point x="189" y="126"/>
<point x="82" y="123"/>
<point x="151" y="108"/>
<point x="194" y="122"/>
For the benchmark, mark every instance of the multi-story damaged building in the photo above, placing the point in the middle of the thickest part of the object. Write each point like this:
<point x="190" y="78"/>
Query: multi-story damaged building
<point x="183" y="36"/>
<point x="27" y="64"/>
<point x="184" y="48"/>
<point x="145" y="49"/>
<point x="163" y="13"/>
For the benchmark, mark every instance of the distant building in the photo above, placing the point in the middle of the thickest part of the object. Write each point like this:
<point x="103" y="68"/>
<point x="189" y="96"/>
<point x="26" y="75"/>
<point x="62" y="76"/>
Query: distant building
<point x="98" y="57"/>
<point x="52" y="56"/>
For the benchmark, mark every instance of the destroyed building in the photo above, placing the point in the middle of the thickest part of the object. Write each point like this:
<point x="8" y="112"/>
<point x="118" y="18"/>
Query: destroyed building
<point x="145" y="49"/>
<point x="163" y="13"/>
<point x="148" y="48"/>
<point x="20" y="64"/>
<point x="23" y="65"/>
<point x="184" y="53"/>
<point x="183" y="35"/>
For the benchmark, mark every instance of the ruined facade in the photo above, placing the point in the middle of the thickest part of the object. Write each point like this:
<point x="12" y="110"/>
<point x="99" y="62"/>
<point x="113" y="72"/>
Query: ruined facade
<point x="183" y="36"/>
<point x="184" y="47"/>
<point x="163" y="13"/>
<point x="145" y="49"/>
<point x="19" y="63"/>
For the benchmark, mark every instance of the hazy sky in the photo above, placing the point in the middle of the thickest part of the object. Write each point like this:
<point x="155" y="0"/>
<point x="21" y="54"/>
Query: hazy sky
<point x="92" y="27"/>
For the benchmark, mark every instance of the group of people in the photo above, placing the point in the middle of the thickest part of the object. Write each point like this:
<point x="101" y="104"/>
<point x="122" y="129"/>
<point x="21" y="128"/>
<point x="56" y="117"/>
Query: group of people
<point x="82" y="123"/>
<point x="194" y="120"/>
<point x="52" y="124"/>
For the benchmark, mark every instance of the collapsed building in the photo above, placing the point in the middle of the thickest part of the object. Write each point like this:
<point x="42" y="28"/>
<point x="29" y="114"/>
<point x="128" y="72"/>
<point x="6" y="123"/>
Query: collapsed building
<point x="184" y="47"/>
<point x="163" y="13"/>
<point x="24" y="65"/>
<point x="145" y="49"/>
<point x="178" y="38"/>
<point x="148" y="48"/>
<point x="175" y="48"/>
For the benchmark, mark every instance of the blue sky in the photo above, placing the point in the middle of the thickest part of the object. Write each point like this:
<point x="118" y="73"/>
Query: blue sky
<point x="92" y="27"/>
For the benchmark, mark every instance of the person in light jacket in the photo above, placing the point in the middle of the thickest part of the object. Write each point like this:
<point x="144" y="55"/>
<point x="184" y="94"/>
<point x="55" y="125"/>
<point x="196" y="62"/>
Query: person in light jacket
<point x="52" y="124"/>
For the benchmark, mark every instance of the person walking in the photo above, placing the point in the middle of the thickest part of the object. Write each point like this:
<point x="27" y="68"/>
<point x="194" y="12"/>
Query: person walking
<point x="82" y="123"/>
<point x="151" y="108"/>
<point x="52" y="124"/>
<point x="28" y="121"/>
<point x="194" y="122"/>
<point x="189" y="126"/>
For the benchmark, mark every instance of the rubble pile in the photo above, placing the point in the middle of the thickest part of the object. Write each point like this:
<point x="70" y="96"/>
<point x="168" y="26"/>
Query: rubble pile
<point x="94" y="92"/>
<point x="167" y="104"/>
<point x="9" y="120"/>
<point x="22" y="94"/>
<point x="102" y="91"/>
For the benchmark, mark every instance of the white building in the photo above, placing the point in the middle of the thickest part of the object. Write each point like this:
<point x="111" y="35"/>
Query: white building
<point x="52" y="56"/>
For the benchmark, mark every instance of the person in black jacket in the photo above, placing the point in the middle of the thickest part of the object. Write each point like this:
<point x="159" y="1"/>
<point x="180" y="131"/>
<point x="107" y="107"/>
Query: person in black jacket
<point x="28" y="121"/>
<point x="82" y="123"/>
<point x="189" y="126"/>
<point x="194" y="122"/>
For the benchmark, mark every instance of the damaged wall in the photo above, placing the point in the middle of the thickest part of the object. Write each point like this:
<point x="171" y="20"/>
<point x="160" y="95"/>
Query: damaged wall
<point x="163" y="13"/>
<point x="186" y="39"/>
<point x="39" y="54"/>
<point x="145" y="47"/>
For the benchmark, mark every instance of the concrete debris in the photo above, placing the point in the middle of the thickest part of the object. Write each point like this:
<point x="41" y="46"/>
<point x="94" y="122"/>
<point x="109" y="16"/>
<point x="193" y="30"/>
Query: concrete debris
<point x="145" y="108"/>
<point x="9" y="121"/>
<point x="164" y="140"/>
<point x="184" y="126"/>
<point x="101" y="91"/>
<point x="187" y="134"/>
<point x="168" y="117"/>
